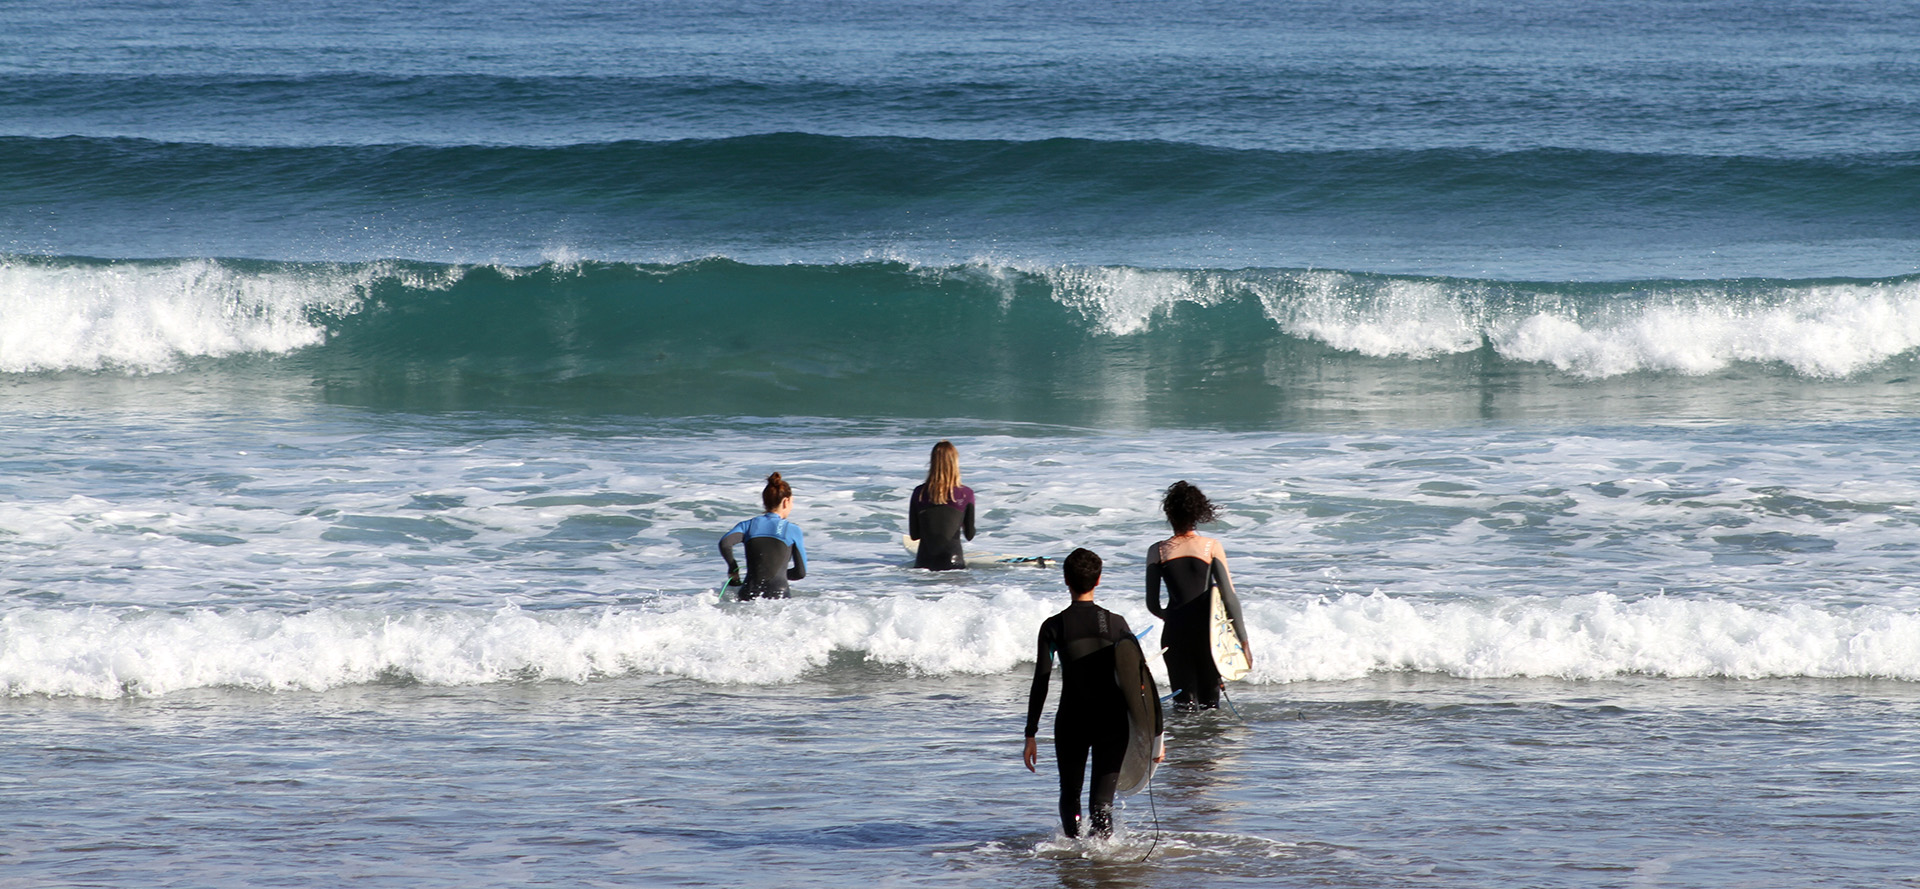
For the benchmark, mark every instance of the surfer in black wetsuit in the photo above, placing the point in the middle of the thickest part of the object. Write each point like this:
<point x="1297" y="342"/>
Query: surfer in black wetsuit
<point x="1191" y="566"/>
<point x="940" y="512"/>
<point x="1092" y="719"/>
<point x="771" y="542"/>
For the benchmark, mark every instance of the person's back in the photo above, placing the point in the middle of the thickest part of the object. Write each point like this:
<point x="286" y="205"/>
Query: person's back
<point x="1082" y="636"/>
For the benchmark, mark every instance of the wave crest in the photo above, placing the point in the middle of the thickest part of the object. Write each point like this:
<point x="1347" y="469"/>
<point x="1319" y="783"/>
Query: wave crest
<point x="108" y="653"/>
<point x="883" y="337"/>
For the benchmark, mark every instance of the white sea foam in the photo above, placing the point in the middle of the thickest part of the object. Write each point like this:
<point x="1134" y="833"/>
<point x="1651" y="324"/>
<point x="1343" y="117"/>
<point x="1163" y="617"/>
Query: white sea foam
<point x="1122" y="301"/>
<point x="1392" y="319"/>
<point x="103" y="652"/>
<point x="1592" y="636"/>
<point x="145" y="317"/>
<point x="1821" y="331"/>
<point x="107" y="653"/>
<point x="1827" y="331"/>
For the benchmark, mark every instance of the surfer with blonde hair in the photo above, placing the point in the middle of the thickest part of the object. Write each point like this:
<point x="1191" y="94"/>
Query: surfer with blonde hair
<point x="771" y="543"/>
<point x="940" y="512"/>
<point x="1192" y="567"/>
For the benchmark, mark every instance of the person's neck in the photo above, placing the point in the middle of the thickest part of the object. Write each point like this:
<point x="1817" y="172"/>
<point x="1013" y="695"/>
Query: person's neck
<point x="1084" y="597"/>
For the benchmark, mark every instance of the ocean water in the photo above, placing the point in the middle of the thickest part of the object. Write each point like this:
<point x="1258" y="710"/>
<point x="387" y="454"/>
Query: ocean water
<point x="376" y="380"/>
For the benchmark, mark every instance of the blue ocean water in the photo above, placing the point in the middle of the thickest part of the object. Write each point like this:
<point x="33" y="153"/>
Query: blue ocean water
<point x="377" y="378"/>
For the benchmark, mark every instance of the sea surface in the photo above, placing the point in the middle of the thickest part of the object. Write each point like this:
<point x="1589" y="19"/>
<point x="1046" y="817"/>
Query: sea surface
<point x="376" y="380"/>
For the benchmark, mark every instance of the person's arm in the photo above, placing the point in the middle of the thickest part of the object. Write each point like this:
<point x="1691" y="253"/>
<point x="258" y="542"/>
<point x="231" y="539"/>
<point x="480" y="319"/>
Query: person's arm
<point x="1223" y="579"/>
<point x="914" y="529"/>
<point x="967" y="527"/>
<point x="799" y="569"/>
<point x="1153" y="582"/>
<point x="733" y="538"/>
<point x="1042" y="673"/>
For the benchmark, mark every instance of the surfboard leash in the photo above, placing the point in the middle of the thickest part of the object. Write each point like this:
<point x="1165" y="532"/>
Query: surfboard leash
<point x="1229" y="699"/>
<point x="1155" y="809"/>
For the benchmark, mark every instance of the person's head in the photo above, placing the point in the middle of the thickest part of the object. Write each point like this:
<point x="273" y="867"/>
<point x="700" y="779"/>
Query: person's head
<point x="1186" y="507"/>
<point x="1082" y="570"/>
<point x="776" y="492"/>
<point x="943" y="472"/>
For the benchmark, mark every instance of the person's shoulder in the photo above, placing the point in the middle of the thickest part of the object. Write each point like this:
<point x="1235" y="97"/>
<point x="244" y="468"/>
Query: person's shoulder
<point x="962" y="495"/>
<point x="1119" y="624"/>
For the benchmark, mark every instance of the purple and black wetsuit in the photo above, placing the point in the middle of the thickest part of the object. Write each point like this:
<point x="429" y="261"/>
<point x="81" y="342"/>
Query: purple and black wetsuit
<point x="939" y="527"/>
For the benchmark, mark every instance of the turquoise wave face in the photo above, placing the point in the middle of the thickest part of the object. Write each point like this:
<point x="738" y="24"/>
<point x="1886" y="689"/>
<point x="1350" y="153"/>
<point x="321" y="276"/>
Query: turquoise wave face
<point x="1082" y="345"/>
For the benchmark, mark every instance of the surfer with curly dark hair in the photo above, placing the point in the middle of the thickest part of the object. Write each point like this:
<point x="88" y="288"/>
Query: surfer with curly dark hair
<point x="1192" y="567"/>
<point x="940" y="512"/>
<point x="771" y="543"/>
<point x="1092" y="721"/>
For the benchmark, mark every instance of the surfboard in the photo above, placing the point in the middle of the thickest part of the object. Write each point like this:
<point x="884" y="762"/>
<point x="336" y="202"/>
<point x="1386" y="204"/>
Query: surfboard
<point x="1144" y="726"/>
<point x="1229" y="656"/>
<point x="978" y="559"/>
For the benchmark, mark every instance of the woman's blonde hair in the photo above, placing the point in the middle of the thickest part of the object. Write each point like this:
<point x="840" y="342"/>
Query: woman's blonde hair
<point x="943" y="472"/>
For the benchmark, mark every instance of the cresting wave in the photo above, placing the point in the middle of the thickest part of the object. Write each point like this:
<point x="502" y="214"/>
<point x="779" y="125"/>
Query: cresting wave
<point x="106" y="653"/>
<point x="721" y="321"/>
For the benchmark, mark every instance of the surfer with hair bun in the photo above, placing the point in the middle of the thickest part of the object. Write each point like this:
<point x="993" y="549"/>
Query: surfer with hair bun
<point x="1093" y="715"/>
<point x="940" y="512"/>
<point x="771" y="543"/>
<point x="1191" y="566"/>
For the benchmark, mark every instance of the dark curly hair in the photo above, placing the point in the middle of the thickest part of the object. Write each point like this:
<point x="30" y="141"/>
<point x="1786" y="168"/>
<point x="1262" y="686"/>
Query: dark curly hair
<point x="1186" y="507"/>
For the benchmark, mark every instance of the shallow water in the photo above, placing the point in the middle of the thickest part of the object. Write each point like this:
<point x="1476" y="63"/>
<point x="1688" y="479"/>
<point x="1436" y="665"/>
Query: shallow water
<point x="861" y="774"/>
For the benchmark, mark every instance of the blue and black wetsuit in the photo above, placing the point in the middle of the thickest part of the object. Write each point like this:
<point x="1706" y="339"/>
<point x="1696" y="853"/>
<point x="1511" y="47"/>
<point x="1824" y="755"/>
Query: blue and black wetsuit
<point x="771" y="543"/>
<point x="939" y="527"/>
<point x="1093" y="713"/>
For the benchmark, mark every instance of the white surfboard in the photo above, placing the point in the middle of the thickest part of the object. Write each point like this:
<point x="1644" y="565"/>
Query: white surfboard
<point x="1229" y="656"/>
<point x="977" y="559"/>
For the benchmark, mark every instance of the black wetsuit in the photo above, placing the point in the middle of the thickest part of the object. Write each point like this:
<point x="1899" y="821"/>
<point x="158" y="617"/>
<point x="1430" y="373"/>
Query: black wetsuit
<point x="1189" y="617"/>
<point x="1093" y="716"/>
<point x="771" y="543"/>
<point x="939" y="527"/>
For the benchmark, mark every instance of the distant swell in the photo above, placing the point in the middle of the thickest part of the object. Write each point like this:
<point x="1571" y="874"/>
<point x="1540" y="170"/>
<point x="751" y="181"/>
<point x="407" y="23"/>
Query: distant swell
<point x="843" y="176"/>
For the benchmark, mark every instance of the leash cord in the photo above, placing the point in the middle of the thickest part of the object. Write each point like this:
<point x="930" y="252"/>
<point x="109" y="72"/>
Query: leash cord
<point x="1155" y="809"/>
